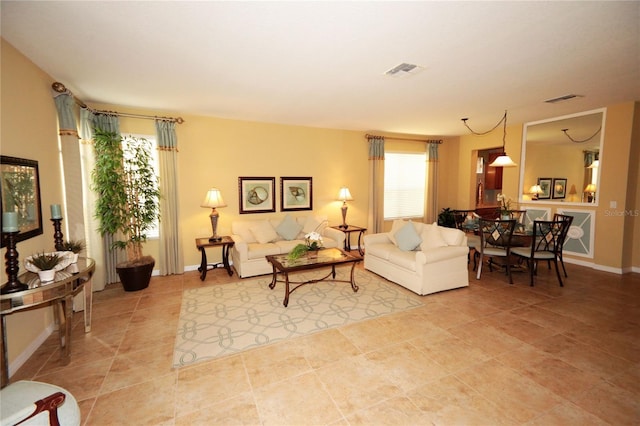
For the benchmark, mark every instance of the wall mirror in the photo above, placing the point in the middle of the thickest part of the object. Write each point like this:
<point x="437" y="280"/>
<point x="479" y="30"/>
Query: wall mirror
<point x="20" y="193"/>
<point x="561" y="155"/>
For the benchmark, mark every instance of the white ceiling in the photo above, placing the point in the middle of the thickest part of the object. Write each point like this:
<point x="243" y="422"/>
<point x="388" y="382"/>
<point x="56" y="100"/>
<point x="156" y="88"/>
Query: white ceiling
<point x="322" y="64"/>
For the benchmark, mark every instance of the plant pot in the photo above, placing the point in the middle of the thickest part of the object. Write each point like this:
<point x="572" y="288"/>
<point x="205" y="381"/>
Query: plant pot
<point x="135" y="277"/>
<point x="47" y="276"/>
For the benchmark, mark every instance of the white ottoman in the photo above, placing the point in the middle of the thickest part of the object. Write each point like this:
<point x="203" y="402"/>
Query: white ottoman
<point x="24" y="400"/>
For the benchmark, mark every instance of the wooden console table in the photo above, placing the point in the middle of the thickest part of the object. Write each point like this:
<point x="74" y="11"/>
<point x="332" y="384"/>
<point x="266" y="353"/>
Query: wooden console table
<point x="68" y="283"/>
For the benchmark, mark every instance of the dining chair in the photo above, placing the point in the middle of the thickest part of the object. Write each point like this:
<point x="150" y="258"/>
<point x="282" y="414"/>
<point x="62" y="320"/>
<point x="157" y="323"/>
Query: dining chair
<point x="567" y="225"/>
<point x="473" y="241"/>
<point x="546" y="244"/>
<point x="495" y="241"/>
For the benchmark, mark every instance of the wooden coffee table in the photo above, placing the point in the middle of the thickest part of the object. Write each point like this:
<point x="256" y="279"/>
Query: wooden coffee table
<point x="311" y="260"/>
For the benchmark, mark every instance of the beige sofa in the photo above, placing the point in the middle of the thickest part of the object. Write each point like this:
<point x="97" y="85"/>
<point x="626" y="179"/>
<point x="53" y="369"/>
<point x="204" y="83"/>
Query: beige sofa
<point x="425" y="258"/>
<point x="255" y="239"/>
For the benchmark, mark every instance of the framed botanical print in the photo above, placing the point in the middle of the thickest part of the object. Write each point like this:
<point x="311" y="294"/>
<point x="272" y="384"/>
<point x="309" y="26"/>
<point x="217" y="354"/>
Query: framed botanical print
<point x="20" y="193"/>
<point x="559" y="188"/>
<point x="296" y="193"/>
<point x="545" y="185"/>
<point x="256" y="194"/>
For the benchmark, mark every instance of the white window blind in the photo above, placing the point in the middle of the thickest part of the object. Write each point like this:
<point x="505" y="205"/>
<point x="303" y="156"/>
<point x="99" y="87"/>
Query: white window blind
<point x="404" y="184"/>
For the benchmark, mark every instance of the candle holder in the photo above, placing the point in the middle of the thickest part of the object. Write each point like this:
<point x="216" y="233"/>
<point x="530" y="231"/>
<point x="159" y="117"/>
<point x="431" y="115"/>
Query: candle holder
<point x="58" y="241"/>
<point x="13" y="265"/>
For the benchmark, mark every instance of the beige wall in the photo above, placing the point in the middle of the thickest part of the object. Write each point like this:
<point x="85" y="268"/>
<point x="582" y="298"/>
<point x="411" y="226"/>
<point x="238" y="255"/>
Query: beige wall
<point x="29" y="130"/>
<point x="564" y="162"/>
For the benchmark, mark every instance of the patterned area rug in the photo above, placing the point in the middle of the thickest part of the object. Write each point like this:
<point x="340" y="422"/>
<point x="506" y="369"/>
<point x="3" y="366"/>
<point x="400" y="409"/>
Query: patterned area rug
<point x="220" y="320"/>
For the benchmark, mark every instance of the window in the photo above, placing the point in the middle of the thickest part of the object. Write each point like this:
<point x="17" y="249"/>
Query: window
<point x="154" y="231"/>
<point x="404" y="184"/>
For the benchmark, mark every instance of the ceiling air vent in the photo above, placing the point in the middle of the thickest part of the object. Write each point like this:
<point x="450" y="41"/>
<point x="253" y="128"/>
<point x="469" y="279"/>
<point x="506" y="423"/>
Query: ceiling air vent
<point x="562" y="98"/>
<point x="403" y="69"/>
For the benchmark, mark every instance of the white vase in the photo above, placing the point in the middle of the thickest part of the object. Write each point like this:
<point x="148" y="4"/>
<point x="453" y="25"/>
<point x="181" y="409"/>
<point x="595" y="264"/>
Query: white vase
<point x="47" y="276"/>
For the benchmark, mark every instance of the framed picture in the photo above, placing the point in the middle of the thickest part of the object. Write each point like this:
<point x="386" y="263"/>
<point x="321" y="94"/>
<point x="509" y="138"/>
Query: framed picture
<point x="20" y="193"/>
<point x="559" y="188"/>
<point x="545" y="184"/>
<point x="296" y="193"/>
<point x="256" y="194"/>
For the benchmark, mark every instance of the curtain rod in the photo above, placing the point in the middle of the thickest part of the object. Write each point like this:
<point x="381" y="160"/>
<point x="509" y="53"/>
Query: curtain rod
<point x="438" y="141"/>
<point x="60" y="88"/>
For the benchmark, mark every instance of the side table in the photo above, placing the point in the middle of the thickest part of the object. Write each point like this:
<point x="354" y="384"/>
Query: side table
<point x="347" y="241"/>
<point x="202" y="243"/>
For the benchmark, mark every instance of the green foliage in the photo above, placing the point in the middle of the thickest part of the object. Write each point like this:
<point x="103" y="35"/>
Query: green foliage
<point x="45" y="261"/>
<point x="446" y="218"/>
<point x="297" y="251"/>
<point x="127" y="190"/>
<point x="75" y="246"/>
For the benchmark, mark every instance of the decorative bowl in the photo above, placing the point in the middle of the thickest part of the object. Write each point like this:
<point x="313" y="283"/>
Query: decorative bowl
<point x="66" y="256"/>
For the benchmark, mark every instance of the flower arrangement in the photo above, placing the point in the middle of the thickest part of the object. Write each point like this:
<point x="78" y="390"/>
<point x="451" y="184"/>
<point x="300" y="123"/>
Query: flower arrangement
<point x="312" y="242"/>
<point x="504" y="203"/>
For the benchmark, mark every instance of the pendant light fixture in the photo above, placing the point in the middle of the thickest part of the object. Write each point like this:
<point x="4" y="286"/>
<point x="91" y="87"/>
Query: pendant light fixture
<point x="503" y="160"/>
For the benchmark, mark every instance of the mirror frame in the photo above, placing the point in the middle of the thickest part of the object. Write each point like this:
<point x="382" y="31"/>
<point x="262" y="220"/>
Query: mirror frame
<point x="11" y="166"/>
<point x="523" y="155"/>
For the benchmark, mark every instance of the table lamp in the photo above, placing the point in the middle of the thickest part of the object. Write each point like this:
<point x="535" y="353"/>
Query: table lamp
<point x="590" y="190"/>
<point x="214" y="199"/>
<point x="535" y="191"/>
<point x="344" y="195"/>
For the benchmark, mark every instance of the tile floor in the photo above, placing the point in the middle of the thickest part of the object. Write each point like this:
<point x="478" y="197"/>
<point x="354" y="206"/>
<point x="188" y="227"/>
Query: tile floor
<point x="489" y="354"/>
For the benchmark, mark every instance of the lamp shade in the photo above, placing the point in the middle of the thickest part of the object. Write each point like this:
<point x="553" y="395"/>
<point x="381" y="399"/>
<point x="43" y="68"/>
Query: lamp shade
<point x="535" y="189"/>
<point x="503" y="161"/>
<point x="344" y="194"/>
<point x="590" y="188"/>
<point x="213" y="199"/>
<point x="573" y="191"/>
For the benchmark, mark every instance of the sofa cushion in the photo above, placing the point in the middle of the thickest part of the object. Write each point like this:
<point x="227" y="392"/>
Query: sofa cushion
<point x="452" y="236"/>
<point x="407" y="237"/>
<point x="432" y="238"/>
<point x="289" y="228"/>
<point x="243" y="229"/>
<point x="313" y="224"/>
<point x="259" y="251"/>
<point x="381" y="250"/>
<point x="263" y="232"/>
<point x="404" y="259"/>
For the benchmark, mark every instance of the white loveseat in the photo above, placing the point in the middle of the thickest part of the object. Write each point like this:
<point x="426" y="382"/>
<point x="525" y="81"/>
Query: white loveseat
<point x="255" y="239"/>
<point x="425" y="258"/>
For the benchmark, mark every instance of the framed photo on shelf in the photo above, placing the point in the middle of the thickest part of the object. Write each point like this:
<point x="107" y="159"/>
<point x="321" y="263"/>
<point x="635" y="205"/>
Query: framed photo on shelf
<point x="296" y="193"/>
<point x="20" y="183"/>
<point x="256" y="194"/>
<point x="559" y="188"/>
<point x="545" y="184"/>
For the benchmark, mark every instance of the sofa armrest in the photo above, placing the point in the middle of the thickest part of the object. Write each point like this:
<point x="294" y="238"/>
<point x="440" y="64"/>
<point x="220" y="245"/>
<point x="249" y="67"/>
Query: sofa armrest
<point x="240" y="246"/>
<point x="381" y="238"/>
<point x="334" y="234"/>
<point x="440" y="253"/>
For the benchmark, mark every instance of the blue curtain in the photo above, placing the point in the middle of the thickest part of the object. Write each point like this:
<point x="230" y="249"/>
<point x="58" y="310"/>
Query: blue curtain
<point x="170" y="250"/>
<point x="376" y="182"/>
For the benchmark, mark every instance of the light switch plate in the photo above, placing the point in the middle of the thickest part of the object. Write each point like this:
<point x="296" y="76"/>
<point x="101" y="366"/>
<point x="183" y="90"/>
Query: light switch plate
<point x="613" y="204"/>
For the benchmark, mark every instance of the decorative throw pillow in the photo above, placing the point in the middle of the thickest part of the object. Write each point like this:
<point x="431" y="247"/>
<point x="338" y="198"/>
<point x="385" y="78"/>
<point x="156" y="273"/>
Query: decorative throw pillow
<point x="313" y="224"/>
<point x="395" y="227"/>
<point x="288" y="228"/>
<point x="431" y="238"/>
<point x="263" y="232"/>
<point x="407" y="237"/>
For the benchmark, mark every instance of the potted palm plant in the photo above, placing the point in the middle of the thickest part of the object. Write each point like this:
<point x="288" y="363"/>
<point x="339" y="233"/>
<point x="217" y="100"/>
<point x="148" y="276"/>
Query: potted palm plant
<point x="74" y="246"/>
<point x="127" y="204"/>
